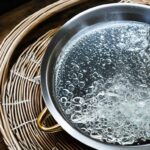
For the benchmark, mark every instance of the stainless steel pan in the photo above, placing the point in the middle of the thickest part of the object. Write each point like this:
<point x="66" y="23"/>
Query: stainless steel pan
<point x="100" y="14"/>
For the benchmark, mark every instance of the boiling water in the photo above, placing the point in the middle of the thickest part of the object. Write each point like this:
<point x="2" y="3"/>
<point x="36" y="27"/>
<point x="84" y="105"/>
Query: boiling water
<point x="102" y="82"/>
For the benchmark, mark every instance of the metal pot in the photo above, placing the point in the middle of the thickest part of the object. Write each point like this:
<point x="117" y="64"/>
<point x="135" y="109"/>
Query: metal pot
<point x="100" y="14"/>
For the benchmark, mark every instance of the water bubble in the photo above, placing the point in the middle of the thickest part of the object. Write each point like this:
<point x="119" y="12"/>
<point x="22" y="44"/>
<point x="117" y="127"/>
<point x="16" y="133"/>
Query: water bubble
<point x="82" y="84"/>
<point x="101" y="95"/>
<point x="63" y="100"/>
<point x="109" y="61"/>
<point x="75" y="81"/>
<point x="78" y="108"/>
<point x="84" y="71"/>
<point x="90" y="89"/>
<point x="68" y="111"/>
<point x="65" y="92"/>
<point x="127" y="140"/>
<point x="67" y="104"/>
<point x="78" y="100"/>
<point x="74" y="75"/>
<point x="68" y="82"/>
<point x="96" y="135"/>
<point x="95" y="75"/>
<point x="80" y="75"/>
<point x="70" y="95"/>
<point x="84" y="106"/>
<point x="89" y="95"/>
<point x="76" y="67"/>
<point x="76" y="117"/>
<point x="71" y="87"/>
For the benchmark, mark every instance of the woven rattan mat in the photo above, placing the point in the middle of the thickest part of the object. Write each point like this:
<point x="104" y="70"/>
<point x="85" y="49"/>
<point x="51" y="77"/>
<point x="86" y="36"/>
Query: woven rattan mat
<point x="21" y="53"/>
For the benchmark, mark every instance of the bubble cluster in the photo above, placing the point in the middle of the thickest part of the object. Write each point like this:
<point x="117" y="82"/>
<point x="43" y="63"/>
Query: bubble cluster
<point x="102" y="82"/>
<point x="116" y="113"/>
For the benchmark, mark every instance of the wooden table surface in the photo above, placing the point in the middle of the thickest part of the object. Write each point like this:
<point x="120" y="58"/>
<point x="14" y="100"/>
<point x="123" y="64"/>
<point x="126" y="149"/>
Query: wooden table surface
<point x="10" y="19"/>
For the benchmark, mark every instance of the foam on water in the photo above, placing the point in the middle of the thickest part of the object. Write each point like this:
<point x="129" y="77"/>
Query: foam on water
<point x="102" y="82"/>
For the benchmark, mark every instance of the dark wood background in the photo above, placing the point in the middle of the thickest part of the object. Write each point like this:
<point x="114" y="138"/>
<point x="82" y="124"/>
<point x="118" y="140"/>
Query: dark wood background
<point x="11" y="18"/>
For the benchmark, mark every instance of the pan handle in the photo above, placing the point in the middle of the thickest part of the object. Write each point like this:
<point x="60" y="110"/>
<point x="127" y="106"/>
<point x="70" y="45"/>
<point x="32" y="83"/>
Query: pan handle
<point x="52" y="129"/>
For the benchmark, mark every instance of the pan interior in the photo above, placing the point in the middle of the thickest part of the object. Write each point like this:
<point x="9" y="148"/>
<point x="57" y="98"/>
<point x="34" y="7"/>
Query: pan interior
<point x="102" y="82"/>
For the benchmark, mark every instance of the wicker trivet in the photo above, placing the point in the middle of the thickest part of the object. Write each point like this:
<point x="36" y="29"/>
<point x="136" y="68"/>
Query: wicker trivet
<point x="20" y="60"/>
